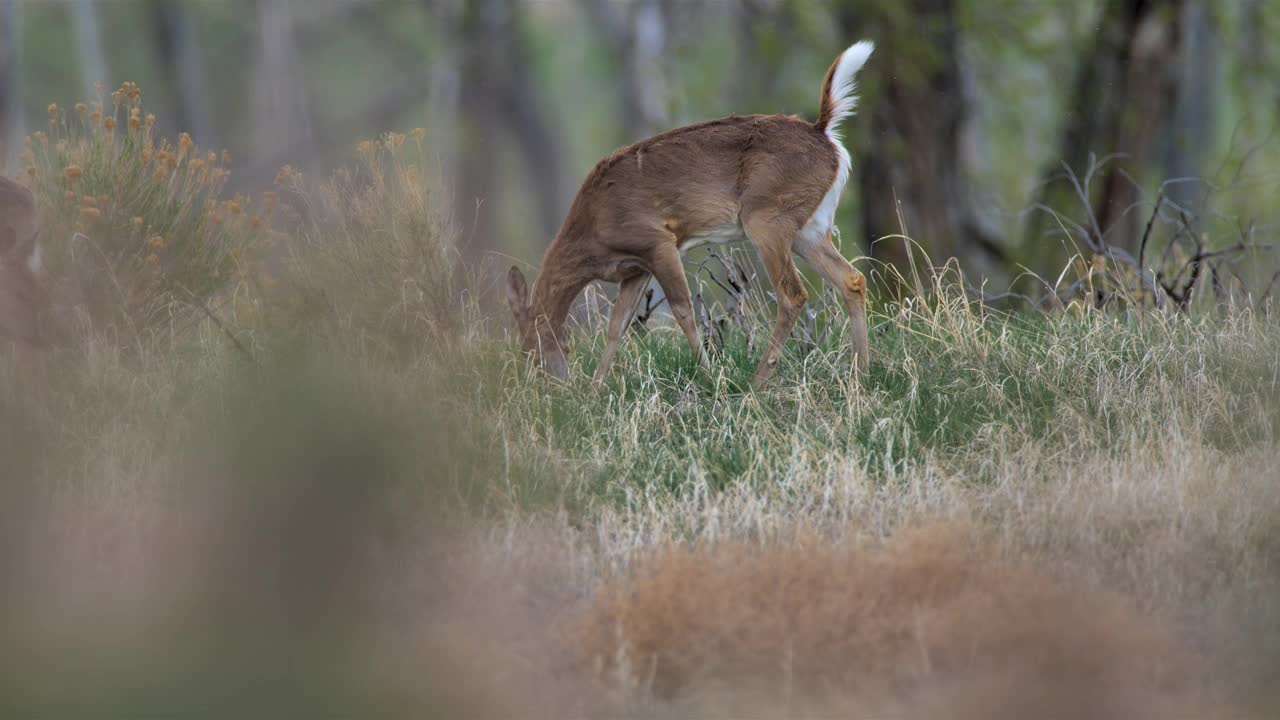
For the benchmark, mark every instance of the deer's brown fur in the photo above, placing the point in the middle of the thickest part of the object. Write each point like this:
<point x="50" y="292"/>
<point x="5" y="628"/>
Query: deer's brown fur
<point x="22" y="296"/>
<point x="759" y="178"/>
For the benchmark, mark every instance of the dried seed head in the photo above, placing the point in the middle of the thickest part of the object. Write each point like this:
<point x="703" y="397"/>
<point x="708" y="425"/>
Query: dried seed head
<point x="419" y="134"/>
<point x="153" y="260"/>
<point x="137" y="222"/>
<point x="110" y="124"/>
<point x="157" y="243"/>
<point x="89" y="214"/>
<point x="73" y="173"/>
<point x="53" y="110"/>
<point x="82" y="108"/>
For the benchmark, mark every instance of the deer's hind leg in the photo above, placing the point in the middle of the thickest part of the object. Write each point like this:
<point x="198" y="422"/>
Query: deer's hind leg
<point x="840" y="274"/>
<point x="668" y="269"/>
<point x="773" y="236"/>
<point x="624" y="307"/>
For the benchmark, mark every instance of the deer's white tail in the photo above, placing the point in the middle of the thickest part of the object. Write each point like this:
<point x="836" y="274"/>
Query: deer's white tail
<point x="839" y="88"/>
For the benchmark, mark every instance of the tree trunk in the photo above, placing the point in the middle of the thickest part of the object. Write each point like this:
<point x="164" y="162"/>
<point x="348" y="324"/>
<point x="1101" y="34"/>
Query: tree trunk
<point x="499" y="98"/>
<point x="12" y="120"/>
<point x="181" y="61"/>
<point x="93" y="62"/>
<point x="1193" y="113"/>
<point x="636" y="34"/>
<point x="481" y="40"/>
<point x="1123" y="95"/>
<point x="281" y="116"/>
<point x="913" y="181"/>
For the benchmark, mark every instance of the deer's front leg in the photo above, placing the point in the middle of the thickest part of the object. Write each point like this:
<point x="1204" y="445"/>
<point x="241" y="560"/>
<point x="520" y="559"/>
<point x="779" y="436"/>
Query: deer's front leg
<point x="619" y="319"/>
<point x="773" y="240"/>
<point x="669" y="271"/>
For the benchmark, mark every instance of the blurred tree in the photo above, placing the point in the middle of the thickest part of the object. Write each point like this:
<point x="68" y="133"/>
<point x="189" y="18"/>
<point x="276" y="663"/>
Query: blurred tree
<point x="765" y="33"/>
<point x="181" y="61"/>
<point x="12" y="122"/>
<point x="636" y="36"/>
<point x="912" y="178"/>
<point x="93" y="62"/>
<point x="1120" y="105"/>
<point x="500" y="97"/>
<point x="1184" y="150"/>
<point x="281" y="117"/>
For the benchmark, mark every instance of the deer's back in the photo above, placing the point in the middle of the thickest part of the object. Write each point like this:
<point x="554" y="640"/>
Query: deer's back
<point x="696" y="178"/>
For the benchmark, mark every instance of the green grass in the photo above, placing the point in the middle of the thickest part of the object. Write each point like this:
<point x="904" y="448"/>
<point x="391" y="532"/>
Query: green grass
<point x="1063" y="385"/>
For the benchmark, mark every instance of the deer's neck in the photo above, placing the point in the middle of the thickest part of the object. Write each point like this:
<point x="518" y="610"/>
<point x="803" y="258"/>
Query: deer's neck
<point x="553" y="294"/>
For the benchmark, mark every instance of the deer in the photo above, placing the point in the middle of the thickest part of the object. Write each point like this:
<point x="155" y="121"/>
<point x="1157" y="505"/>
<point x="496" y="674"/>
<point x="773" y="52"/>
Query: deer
<point x="771" y="180"/>
<point x="22" y="296"/>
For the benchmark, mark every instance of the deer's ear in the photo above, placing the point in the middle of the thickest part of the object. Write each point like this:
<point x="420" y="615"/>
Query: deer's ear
<point x="518" y="295"/>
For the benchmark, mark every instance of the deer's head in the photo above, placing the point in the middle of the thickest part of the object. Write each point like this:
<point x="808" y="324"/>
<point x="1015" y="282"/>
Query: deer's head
<point x="537" y="338"/>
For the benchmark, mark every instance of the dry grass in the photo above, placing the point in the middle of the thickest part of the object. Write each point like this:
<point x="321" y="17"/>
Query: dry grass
<point x="809" y="628"/>
<point x="1070" y="515"/>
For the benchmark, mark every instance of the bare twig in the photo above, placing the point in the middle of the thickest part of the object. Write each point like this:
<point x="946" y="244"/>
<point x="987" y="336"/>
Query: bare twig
<point x="1262" y="301"/>
<point x="196" y="302"/>
<point x="1142" y="247"/>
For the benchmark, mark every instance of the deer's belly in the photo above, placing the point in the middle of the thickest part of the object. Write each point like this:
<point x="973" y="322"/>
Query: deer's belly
<point x="719" y="235"/>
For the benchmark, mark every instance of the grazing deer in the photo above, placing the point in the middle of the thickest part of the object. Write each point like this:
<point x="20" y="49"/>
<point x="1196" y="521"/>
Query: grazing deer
<point x="772" y="180"/>
<point x="22" y="297"/>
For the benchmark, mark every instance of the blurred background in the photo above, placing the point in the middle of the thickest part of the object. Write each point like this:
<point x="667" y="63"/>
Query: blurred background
<point x="972" y="111"/>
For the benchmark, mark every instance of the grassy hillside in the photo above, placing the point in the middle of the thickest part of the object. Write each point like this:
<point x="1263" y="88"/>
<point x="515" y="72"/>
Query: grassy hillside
<point x="281" y="450"/>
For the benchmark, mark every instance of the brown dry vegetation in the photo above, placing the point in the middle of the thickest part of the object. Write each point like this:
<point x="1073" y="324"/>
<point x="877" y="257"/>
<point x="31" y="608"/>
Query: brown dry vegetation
<point x="931" y="620"/>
